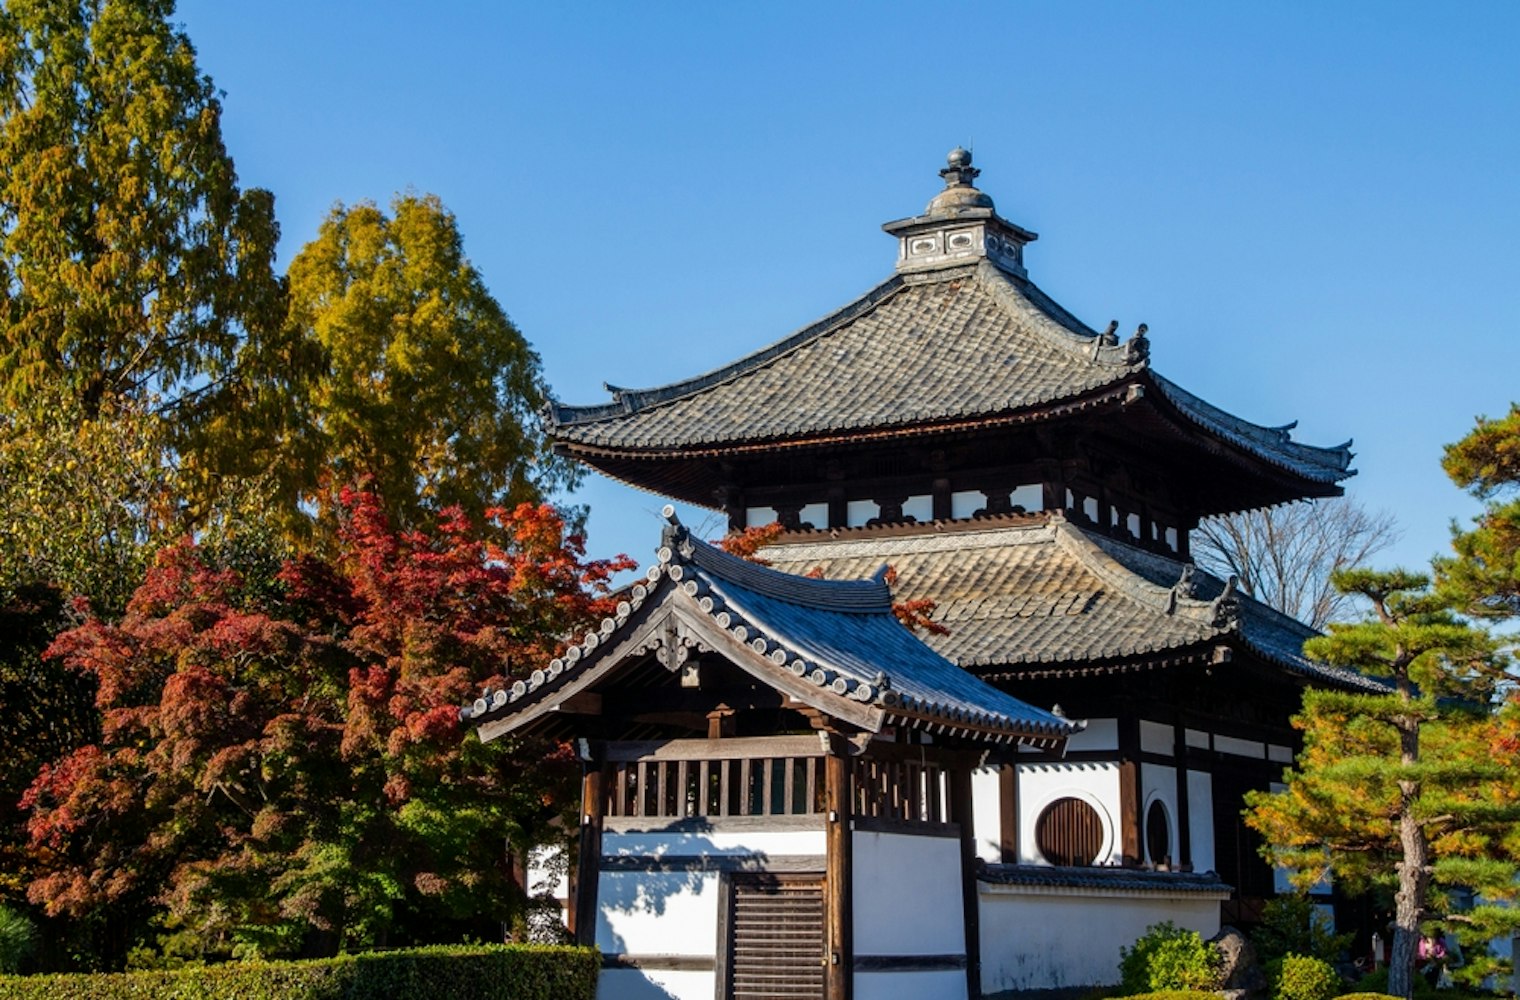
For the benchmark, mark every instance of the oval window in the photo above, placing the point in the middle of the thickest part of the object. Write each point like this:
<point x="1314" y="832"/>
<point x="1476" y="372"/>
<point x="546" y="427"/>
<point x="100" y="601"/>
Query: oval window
<point x="1069" y="832"/>
<point x="1158" y="834"/>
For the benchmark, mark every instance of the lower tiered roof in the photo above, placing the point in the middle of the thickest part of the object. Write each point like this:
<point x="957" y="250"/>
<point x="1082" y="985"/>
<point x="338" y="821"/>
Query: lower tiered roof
<point x="1038" y="596"/>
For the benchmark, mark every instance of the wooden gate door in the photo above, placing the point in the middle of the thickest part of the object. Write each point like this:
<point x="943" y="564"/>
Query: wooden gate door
<point x="775" y="940"/>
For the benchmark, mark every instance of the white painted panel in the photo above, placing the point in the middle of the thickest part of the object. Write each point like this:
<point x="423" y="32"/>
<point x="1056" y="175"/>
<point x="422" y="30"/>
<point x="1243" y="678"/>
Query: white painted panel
<point x="657" y="913"/>
<point x="1133" y="524"/>
<point x="1157" y="737"/>
<point x="1100" y="734"/>
<point x="1090" y="508"/>
<point x="1171" y="539"/>
<point x="548" y="873"/>
<point x="1040" y="942"/>
<point x="716" y="842"/>
<point x="1196" y="738"/>
<point x="816" y="514"/>
<point x="754" y="517"/>
<point x="941" y="984"/>
<point x="1097" y="784"/>
<point x="1030" y="496"/>
<point x="1239" y="747"/>
<point x="1282" y="755"/>
<point x="987" y="814"/>
<point x="858" y="512"/>
<point x="1200" y="787"/>
<point x="1159" y="783"/>
<point x="655" y="984"/>
<point x="920" y="508"/>
<point x="965" y="503"/>
<point x="1071" y="501"/>
<point x="893" y="871"/>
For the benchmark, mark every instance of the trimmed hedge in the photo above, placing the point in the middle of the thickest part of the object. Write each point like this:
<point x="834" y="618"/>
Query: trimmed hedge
<point x="1173" y="995"/>
<point x="1368" y="996"/>
<point x="445" y="972"/>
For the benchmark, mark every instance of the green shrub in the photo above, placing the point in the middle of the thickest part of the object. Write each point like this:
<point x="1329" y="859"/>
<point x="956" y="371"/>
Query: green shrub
<point x="1175" y="995"/>
<point x="16" y="939"/>
<point x="1368" y="996"/>
<point x="1376" y="982"/>
<point x="1168" y="958"/>
<point x="1303" y="977"/>
<point x="498" y="972"/>
<point x="1290" y="925"/>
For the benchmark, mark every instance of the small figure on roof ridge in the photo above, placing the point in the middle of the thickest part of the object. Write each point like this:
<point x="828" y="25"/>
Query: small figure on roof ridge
<point x="1139" y="346"/>
<point x="1110" y="337"/>
<point x="1227" y="604"/>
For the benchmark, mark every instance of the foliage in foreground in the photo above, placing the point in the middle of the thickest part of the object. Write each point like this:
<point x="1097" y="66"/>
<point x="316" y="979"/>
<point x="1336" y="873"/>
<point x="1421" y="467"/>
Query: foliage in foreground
<point x="1290" y="926"/>
<point x="281" y="769"/>
<point x="501" y="972"/>
<point x="1303" y="977"/>
<point x="1167" y="957"/>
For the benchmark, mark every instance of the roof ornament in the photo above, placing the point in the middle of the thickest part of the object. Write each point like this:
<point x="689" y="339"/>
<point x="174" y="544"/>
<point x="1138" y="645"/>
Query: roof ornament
<point x="1227" y="605"/>
<point x="1184" y="589"/>
<point x="960" y="193"/>
<point x="1138" y="347"/>
<point x="1110" y="337"/>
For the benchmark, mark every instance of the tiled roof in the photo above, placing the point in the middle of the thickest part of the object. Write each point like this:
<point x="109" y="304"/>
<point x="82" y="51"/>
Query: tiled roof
<point x="961" y="343"/>
<point x="1124" y="880"/>
<point x="1040" y="593"/>
<point x="835" y="644"/>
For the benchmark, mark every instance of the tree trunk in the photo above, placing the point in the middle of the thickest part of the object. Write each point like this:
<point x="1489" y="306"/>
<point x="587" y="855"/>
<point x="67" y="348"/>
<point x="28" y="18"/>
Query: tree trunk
<point x="1414" y="877"/>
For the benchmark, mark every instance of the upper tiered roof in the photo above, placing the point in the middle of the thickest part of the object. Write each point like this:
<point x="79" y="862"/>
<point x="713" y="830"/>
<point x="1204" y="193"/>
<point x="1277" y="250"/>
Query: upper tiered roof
<point x="957" y="339"/>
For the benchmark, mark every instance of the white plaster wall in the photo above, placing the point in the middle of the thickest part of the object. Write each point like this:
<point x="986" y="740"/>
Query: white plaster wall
<point x="1030" y="496"/>
<point x="657" y="913"/>
<point x="941" y="984"/>
<point x="987" y="814"/>
<point x="655" y="984"/>
<point x="1100" y="734"/>
<point x="1038" y="941"/>
<point x="716" y="843"/>
<point x="1200" y="787"/>
<point x="816" y="514"/>
<point x="906" y="894"/>
<point x="1095" y="783"/>
<point x="1157" y="737"/>
<point x="966" y="502"/>
<point x="920" y="508"/>
<point x="754" y="517"/>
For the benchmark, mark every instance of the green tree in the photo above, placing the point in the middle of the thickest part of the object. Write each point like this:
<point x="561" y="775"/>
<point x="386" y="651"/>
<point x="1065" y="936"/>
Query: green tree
<point x="1402" y="789"/>
<point x="1483" y="575"/>
<point x="133" y="271"/>
<point x="428" y="392"/>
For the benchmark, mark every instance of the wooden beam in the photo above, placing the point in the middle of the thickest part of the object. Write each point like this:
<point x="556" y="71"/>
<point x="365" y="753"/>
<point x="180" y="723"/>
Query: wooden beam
<point x="962" y="814"/>
<point x="1008" y="813"/>
<point x="837" y="879"/>
<point x="589" y="859"/>
<point x="1130" y="800"/>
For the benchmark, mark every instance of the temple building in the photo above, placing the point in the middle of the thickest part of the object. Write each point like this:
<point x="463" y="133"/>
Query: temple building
<point x="956" y="431"/>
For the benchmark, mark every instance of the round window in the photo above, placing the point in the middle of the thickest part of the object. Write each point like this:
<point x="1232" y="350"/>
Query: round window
<point x="1069" y="832"/>
<point x="1158" y="834"/>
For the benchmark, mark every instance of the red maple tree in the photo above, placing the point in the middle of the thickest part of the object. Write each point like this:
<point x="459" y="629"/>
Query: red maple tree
<point x="282" y="767"/>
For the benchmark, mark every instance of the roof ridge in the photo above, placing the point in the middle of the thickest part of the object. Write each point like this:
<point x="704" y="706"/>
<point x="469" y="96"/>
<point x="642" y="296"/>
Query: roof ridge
<point x="1070" y="334"/>
<point x="627" y="401"/>
<point x="869" y="596"/>
<point x="1170" y="601"/>
<point x="1030" y="530"/>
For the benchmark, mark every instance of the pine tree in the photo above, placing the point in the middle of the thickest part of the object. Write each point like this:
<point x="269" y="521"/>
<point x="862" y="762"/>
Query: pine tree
<point x="1403" y="789"/>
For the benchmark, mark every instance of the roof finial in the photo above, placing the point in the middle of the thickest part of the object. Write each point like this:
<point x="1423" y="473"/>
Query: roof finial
<point x="959" y="172"/>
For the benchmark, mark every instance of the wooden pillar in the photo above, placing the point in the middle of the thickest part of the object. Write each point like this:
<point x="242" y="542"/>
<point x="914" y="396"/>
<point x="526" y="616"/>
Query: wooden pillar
<point x="838" y="798"/>
<point x="588" y="868"/>
<point x="1184" y="816"/>
<point x="1130" y="799"/>
<point x="961" y="811"/>
<point x="1008" y="813"/>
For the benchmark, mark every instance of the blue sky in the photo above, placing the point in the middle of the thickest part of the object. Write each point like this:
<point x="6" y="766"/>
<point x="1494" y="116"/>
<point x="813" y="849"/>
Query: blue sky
<point x="1315" y="207"/>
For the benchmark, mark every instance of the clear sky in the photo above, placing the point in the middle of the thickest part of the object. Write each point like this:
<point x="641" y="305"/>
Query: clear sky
<point x="1315" y="206"/>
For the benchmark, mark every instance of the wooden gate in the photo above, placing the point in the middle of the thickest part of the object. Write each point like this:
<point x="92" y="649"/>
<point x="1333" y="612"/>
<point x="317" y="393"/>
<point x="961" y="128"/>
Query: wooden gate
<point x="775" y="937"/>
